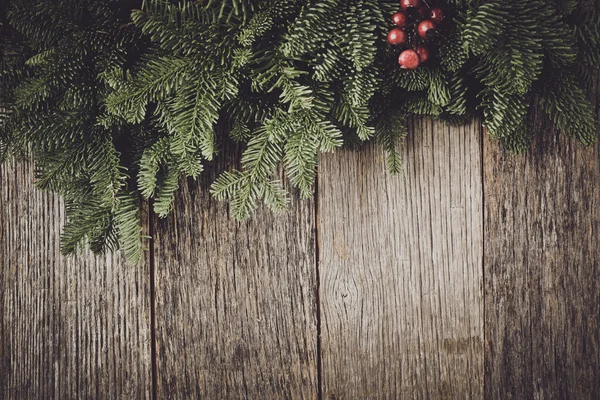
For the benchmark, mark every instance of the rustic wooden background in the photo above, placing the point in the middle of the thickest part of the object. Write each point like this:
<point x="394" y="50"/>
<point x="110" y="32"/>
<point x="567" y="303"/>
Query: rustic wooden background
<point x="476" y="274"/>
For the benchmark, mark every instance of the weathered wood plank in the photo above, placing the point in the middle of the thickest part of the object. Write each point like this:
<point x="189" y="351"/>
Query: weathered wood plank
<point x="542" y="271"/>
<point x="401" y="269"/>
<point x="76" y="328"/>
<point x="235" y="302"/>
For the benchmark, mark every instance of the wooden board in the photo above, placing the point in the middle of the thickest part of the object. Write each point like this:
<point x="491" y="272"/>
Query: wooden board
<point x="236" y="306"/>
<point x="395" y="287"/>
<point x="542" y="271"/>
<point x="401" y="269"/>
<point x="76" y="328"/>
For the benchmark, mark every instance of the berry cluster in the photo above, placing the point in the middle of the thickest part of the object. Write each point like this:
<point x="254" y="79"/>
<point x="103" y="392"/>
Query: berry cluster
<point x="416" y="24"/>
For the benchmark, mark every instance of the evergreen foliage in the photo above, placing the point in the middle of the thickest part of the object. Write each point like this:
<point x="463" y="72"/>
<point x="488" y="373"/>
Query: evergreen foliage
<point x="120" y="100"/>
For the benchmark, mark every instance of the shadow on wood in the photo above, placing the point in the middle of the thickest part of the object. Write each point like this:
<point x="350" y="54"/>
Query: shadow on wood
<point x="69" y="327"/>
<point x="542" y="270"/>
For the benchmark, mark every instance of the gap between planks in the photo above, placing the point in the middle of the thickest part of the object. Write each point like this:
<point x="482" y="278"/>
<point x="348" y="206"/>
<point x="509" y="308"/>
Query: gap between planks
<point x="148" y="220"/>
<point x="318" y="290"/>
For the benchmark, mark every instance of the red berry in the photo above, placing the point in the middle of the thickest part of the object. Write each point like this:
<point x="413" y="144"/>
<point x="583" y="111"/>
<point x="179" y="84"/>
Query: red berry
<point x="423" y="54"/>
<point x="396" y="37"/>
<point x="399" y="19"/>
<point x="437" y="15"/>
<point x="405" y="4"/>
<point x="425" y="27"/>
<point x="409" y="59"/>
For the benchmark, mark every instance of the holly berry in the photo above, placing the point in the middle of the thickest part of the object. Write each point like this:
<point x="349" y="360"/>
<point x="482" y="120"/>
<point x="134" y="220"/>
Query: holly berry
<point x="399" y="19"/>
<point x="423" y="53"/>
<point x="406" y="4"/>
<point x="408" y="59"/>
<point x="416" y="47"/>
<point x="437" y="15"/>
<point x="396" y="37"/>
<point x="425" y="27"/>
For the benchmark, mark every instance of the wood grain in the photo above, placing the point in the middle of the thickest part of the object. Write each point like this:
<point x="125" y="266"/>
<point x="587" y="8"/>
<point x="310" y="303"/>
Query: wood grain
<point x="542" y="270"/>
<point x="76" y="328"/>
<point x="236" y="307"/>
<point x="401" y="269"/>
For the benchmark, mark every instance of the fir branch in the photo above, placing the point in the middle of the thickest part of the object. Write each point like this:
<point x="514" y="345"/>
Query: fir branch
<point x="116" y="104"/>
